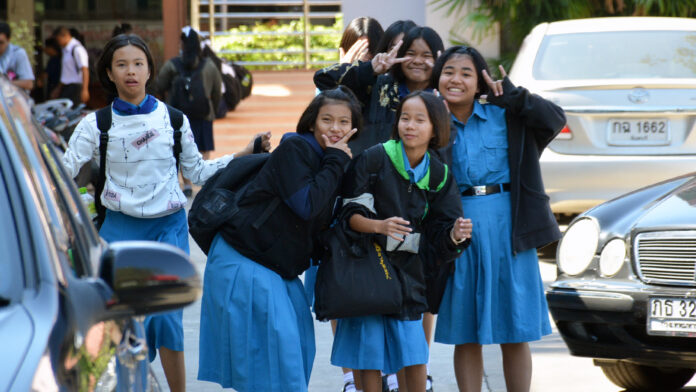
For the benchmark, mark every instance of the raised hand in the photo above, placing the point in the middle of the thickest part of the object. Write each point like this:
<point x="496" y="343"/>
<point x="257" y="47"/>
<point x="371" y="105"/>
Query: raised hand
<point x="356" y="52"/>
<point x="395" y="227"/>
<point x="341" y="144"/>
<point x="496" y="86"/>
<point x="383" y="62"/>
<point x="462" y="229"/>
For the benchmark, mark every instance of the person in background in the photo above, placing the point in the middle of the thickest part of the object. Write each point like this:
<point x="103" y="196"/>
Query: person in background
<point x="74" y="71"/>
<point x="123" y="28"/>
<point x="189" y="61"/>
<point x="360" y="39"/>
<point x="53" y="51"/>
<point x="14" y="62"/>
<point x="496" y="295"/>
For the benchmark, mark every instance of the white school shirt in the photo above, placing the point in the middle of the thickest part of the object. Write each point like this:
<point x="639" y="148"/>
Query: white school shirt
<point x="141" y="175"/>
<point x="71" y="67"/>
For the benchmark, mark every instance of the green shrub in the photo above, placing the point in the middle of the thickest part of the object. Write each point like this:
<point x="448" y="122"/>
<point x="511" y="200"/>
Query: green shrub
<point x="23" y="36"/>
<point x="280" y="40"/>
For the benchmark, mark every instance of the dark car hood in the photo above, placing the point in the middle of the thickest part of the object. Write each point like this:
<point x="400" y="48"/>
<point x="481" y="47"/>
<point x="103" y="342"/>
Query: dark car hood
<point x="669" y="203"/>
<point x="676" y="209"/>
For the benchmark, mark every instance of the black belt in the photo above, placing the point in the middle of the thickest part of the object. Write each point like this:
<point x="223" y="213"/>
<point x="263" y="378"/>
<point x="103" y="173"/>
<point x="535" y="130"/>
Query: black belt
<point x="482" y="190"/>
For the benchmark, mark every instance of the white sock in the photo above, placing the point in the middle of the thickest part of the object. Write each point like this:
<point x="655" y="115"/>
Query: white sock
<point x="428" y="384"/>
<point x="348" y="378"/>
<point x="427" y="368"/>
<point x="392" y="381"/>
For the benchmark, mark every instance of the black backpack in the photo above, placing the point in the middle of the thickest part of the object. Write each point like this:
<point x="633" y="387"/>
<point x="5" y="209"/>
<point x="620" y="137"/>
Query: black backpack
<point x="104" y="124"/>
<point x="245" y="79"/>
<point x="188" y="92"/>
<point x="218" y="200"/>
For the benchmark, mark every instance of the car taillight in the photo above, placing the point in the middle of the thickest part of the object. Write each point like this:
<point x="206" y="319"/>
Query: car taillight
<point x="565" y="133"/>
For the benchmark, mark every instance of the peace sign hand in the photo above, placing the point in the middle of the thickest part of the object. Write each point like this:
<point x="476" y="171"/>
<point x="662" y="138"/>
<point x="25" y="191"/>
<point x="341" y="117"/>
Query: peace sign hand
<point x="341" y="144"/>
<point x="496" y="86"/>
<point x="382" y="62"/>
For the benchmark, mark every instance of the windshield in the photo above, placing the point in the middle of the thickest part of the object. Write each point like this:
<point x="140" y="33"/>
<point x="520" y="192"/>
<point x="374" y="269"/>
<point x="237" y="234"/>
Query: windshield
<point x="617" y="55"/>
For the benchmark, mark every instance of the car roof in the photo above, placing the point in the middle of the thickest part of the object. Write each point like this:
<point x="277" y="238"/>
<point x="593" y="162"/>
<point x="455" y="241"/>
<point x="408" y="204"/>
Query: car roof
<point x="592" y="25"/>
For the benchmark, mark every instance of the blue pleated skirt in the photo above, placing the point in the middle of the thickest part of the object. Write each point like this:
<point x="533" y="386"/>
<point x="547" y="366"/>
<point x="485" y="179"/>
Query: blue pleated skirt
<point x="163" y="329"/>
<point x="379" y="343"/>
<point x="257" y="332"/>
<point x="493" y="296"/>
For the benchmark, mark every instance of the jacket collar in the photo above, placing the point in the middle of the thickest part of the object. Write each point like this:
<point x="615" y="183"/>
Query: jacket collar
<point x="394" y="152"/>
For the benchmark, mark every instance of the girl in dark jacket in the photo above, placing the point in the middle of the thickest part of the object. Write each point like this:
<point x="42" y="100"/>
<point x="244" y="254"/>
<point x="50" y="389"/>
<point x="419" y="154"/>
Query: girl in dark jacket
<point x="496" y="294"/>
<point x="409" y="208"/>
<point x="256" y="327"/>
<point x="381" y="83"/>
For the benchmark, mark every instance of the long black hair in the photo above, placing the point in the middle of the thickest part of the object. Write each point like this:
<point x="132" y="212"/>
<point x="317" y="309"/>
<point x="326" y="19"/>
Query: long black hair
<point x="191" y="49"/>
<point x="107" y="57"/>
<point x="340" y="94"/>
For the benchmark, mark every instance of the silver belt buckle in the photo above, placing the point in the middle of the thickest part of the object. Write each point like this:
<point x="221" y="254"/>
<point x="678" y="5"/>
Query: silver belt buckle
<point x="479" y="190"/>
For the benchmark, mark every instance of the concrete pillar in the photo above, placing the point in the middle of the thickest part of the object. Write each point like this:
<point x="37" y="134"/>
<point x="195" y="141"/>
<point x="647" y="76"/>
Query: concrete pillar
<point x="174" y="17"/>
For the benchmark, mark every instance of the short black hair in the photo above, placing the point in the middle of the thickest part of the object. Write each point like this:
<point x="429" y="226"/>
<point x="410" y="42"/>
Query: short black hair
<point x="123" y="28"/>
<point x="431" y="38"/>
<point x="5" y="29"/>
<point x="340" y="94"/>
<point x="394" y="29"/>
<point x="363" y="26"/>
<point x="51" y="42"/>
<point x="107" y="57"/>
<point x="479" y="63"/>
<point x="59" y="30"/>
<point x="438" y="114"/>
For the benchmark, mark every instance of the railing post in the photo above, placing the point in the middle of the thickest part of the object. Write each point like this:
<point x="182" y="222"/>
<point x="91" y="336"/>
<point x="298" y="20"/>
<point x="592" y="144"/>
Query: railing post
<point x="305" y="11"/>
<point x="195" y="21"/>
<point x="211" y="20"/>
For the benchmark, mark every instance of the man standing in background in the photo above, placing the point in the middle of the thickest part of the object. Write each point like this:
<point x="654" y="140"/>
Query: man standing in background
<point x="14" y="62"/>
<point x="74" y="73"/>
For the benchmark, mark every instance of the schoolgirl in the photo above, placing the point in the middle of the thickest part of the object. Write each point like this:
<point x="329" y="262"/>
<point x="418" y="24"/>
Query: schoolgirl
<point x="403" y="208"/>
<point x="382" y="82"/>
<point x="496" y="294"/>
<point x="141" y="193"/>
<point x="256" y="331"/>
<point x="360" y="39"/>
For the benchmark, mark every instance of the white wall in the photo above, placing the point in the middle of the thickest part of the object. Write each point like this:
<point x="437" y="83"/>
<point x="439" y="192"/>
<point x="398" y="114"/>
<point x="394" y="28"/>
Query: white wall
<point x="421" y="12"/>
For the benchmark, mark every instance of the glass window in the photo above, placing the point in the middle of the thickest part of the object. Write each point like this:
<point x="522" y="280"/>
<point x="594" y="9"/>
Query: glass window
<point x="617" y="55"/>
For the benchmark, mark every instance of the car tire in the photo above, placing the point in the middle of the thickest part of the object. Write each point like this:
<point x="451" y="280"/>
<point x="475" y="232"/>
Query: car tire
<point x="634" y="377"/>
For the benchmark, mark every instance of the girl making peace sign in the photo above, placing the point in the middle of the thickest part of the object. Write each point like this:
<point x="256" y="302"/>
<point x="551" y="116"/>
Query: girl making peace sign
<point x="496" y="295"/>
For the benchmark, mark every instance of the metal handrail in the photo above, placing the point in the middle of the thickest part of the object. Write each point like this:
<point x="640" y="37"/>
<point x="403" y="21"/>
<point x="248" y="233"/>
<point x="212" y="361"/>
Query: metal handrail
<point x="211" y="16"/>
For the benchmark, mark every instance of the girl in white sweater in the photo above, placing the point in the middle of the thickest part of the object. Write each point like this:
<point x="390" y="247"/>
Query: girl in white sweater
<point x="141" y="193"/>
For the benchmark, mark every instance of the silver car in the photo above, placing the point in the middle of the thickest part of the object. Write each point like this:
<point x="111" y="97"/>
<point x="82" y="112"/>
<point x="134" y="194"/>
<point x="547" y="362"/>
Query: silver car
<point x="628" y="87"/>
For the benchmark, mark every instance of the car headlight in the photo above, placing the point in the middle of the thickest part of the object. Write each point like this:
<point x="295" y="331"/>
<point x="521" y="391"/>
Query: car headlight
<point x="578" y="246"/>
<point x="612" y="257"/>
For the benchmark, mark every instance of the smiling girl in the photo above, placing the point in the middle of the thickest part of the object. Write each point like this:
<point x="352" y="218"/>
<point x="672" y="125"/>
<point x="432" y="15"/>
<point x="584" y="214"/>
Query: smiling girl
<point x="141" y="193"/>
<point x="257" y="332"/>
<point x="496" y="295"/>
<point x="382" y="82"/>
<point x="413" y="206"/>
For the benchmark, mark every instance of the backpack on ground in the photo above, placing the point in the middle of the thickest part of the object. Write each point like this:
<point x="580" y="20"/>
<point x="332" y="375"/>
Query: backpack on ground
<point x="104" y="124"/>
<point x="188" y="92"/>
<point x="218" y="200"/>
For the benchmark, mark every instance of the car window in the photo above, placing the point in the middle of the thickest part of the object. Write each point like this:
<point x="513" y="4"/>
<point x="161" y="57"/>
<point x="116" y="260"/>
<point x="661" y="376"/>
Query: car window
<point x="617" y="55"/>
<point x="12" y="275"/>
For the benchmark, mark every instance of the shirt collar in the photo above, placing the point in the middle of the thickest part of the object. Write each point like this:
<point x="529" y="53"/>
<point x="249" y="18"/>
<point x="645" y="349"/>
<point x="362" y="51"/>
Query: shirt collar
<point x="478" y="112"/>
<point x="123" y="108"/>
<point x="403" y="90"/>
<point x="417" y="173"/>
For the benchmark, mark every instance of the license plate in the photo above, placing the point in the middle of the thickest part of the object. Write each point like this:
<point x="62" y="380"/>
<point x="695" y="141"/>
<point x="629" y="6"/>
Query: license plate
<point x="672" y="316"/>
<point x="640" y="132"/>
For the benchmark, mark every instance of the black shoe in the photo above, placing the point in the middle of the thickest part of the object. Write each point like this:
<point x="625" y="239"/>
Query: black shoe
<point x="385" y="384"/>
<point x="430" y="378"/>
<point x="347" y="384"/>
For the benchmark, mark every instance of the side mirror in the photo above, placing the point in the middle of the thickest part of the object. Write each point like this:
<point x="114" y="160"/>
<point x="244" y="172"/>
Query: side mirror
<point x="148" y="277"/>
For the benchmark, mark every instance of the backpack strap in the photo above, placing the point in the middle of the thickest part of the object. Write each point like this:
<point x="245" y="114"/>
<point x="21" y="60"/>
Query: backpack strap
<point x="374" y="160"/>
<point x="438" y="174"/>
<point x="176" y="117"/>
<point x="104" y="124"/>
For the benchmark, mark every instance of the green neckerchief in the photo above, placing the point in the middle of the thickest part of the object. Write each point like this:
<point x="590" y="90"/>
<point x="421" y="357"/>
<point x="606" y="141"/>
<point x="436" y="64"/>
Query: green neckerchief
<point x="393" y="150"/>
